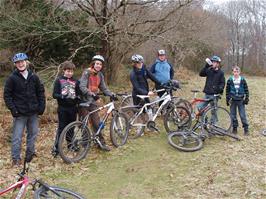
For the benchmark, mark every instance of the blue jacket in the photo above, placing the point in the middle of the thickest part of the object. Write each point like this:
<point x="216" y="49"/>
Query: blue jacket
<point x="163" y="71"/>
<point x="231" y="92"/>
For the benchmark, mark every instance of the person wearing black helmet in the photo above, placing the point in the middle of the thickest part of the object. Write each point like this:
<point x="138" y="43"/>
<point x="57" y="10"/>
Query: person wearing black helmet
<point x="215" y="80"/>
<point x="24" y="97"/>
<point x="91" y="82"/>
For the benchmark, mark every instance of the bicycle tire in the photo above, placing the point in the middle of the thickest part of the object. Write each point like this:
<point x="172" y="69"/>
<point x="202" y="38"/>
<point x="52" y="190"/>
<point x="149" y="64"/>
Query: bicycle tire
<point x="74" y="142"/>
<point x="182" y="140"/>
<point x="263" y="132"/>
<point x="137" y="130"/>
<point x="184" y="103"/>
<point x="217" y="120"/>
<point x="127" y="101"/>
<point x="177" y="118"/>
<point x="44" y="192"/>
<point x="119" y="129"/>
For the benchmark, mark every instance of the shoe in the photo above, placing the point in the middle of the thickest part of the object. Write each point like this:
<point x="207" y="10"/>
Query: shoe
<point x="30" y="156"/>
<point x="234" y="131"/>
<point x="54" y="153"/>
<point x="104" y="146"/>
<point x="246" y="132"/>
<point x="16" y="163"/>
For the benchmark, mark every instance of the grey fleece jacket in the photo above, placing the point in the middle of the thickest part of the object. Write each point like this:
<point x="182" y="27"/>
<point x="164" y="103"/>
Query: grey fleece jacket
<point x="84" y="85"/>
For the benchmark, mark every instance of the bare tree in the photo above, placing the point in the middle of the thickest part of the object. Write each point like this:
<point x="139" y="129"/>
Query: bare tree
<point x="126" y="24"/>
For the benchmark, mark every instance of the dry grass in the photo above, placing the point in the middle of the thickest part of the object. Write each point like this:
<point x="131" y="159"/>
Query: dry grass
<point x="148" y="167"/>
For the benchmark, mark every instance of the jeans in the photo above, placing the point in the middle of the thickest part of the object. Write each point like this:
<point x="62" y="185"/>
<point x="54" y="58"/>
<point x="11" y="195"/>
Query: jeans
<point x="19" y="124"/>
<point x="204" y="104"/>
<point x="238" y="104"/>
<point x="66" y="115"/>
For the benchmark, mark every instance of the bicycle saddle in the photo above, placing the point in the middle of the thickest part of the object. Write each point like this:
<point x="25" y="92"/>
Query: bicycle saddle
<point x="84" y="104"/>
<point x="143" y="96"/>
<point x="195" y="91"/>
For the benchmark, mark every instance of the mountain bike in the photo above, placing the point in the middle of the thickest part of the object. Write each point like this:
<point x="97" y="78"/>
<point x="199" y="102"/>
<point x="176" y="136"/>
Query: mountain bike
<point x="40" y="188"/>
<point x="139" y="117"/>
<point x="76" y="139"/>
<point x="211" y="120"/>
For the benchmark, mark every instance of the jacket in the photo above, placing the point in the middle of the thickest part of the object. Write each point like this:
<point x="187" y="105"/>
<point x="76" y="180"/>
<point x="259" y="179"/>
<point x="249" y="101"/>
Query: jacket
<point x="24" y="97"/>
<point x="66" y="91"/>
<point x="138" y="78"/>
<point x="215" y="80"/>
<point x="162" y="71"/>
<point x="84" y="85"/>
<point x="242" y="92"/>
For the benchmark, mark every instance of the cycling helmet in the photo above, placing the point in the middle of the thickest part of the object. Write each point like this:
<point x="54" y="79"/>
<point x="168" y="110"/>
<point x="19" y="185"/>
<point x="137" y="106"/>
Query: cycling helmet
<point x="216" y="59"/>
<point x="161" y="52"/>
<point x="137" y="58"/>
<point x="98" y="57"/>
<point x="19" y="57"/>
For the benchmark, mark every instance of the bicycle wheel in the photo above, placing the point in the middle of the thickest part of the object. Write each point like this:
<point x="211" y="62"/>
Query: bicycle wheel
<point x="119" y="129"/>
<point x="184" y="103"/>
<point x="53" y="192"/>
<point x="74" y="142"/>
<point x="177" y="118"/>
<point x="185" y="141"/>
<point x="127" y="101"/>
<point x="136" y="125"/>
<point x="217" y="120"/>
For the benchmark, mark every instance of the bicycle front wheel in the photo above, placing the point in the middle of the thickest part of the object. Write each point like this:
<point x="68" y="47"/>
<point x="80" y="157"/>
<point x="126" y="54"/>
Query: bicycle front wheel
<point x="136" y="124"/>
<point x="74" y="142"/>
<point x="55" y="193"/>
<point x="119" y="129"/>
<point x="217" y="120"/>
<point x="127" y="101"/>
<point x="185" y="141"/>
<point x="177" y="118"/>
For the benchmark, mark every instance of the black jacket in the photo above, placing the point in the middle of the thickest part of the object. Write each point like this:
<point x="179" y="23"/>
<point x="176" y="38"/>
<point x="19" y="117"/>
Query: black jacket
<point x="24" y="97"/>
<point x="138" y="78"/>
<point x="71" y="88"/>
<point x="215" y="80"/>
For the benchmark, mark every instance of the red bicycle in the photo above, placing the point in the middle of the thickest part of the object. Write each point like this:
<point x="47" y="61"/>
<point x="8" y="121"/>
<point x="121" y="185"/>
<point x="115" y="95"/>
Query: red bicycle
<point x="210" y="120"/>
<point x="40" y="188"/>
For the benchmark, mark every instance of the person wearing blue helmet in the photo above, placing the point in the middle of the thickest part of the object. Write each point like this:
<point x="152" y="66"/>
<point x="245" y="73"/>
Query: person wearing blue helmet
<point x="215" y="80"/>
<point x="24" y="97"/>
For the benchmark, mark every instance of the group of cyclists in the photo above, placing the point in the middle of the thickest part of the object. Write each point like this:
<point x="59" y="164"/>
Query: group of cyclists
<point x="24" y="94"/>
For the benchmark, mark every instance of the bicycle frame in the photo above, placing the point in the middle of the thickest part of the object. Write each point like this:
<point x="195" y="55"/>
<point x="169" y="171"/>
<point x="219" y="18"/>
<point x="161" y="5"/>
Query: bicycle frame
<point x="166" y="97"/>
<point x="110" y="107"/>
<point x="196" y="101"/>
<point x="22" y="184"/>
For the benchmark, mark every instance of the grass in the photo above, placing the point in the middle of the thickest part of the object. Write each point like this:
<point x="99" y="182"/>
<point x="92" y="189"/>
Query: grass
<point x="149" y="168"/>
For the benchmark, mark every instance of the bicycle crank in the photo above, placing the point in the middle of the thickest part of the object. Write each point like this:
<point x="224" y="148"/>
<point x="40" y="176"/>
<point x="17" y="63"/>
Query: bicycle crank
<point x="152" y="126"/>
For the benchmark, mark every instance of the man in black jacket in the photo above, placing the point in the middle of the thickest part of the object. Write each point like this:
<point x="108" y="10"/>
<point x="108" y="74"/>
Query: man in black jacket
<point x="24" y="97"/>
<point x="215" y="80"/>
<point x="138" y="78"/>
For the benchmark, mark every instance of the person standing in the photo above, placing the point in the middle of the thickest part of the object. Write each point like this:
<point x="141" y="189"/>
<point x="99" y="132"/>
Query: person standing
<point x="138" y="79"/>
<point x="237" y="96"/>
<point x="215" y="80"/>
<point x="91" y="82"/>
<point x="66" y="90"/>
<point x="24" y="96"/>
<point x="162" y="70"/>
